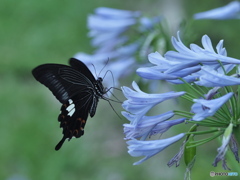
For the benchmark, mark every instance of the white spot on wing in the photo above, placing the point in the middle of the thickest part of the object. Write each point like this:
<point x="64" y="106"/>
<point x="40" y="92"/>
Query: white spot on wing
<point x="70" y="108"/>
<point x="71" y="112"/>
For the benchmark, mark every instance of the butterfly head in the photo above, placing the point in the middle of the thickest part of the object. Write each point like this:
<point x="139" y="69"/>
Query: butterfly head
<point x="99" y="79"/>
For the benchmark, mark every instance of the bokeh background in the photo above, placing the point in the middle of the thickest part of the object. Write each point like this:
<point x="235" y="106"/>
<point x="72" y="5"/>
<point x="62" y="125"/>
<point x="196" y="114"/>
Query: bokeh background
<point x="38" y="32"/>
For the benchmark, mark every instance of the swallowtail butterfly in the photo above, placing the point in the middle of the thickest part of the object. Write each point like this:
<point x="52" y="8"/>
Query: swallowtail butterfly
<point x="78" y="91"/>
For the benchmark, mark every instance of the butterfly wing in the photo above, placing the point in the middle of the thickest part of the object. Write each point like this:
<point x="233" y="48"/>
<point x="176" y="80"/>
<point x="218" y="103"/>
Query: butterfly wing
<point x="73" y="86"/>
<point x="64" y="81"/>
<point x="81" y="67"/>
<point x="73" y="116"/>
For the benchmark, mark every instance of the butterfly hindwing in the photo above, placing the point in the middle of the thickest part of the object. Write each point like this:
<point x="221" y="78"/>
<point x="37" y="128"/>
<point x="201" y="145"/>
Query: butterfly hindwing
<point x="78" y="91"/>
<point x="74" y="114"/>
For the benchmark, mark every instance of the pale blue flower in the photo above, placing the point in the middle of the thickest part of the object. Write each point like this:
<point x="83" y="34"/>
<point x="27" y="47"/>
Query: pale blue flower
<point x="109" y="19"/>
<point x="187" y="57"/>
<point x="148" y="23"/>
<point x="198" y="68"/>
<point x="107" y="41"/>
<point x="115" y="13"/>
<point x="150" y="148"/>
<point x="224" y="147"/>
<point x="127" y="50"/>
<point x="164" y="126"/>
<point x="145" y="126"/>
<point x="162" y="66"/>
<point x="211" y="78"/>
<point x="109" y="30"/>
<point x="204" y="108"/>
<point x="111" y="72"/>
<point x="176" y="159"/>
<point x="154" y="73"/>
<point x="107" y="26"/>
<point x="187" y="62"/>
<point x="139" y="102"/>
<point x="188" y="79"/>
<point x="230" y="11"/>
<point x="211" y="93"/>
<point x="234" y="147"/>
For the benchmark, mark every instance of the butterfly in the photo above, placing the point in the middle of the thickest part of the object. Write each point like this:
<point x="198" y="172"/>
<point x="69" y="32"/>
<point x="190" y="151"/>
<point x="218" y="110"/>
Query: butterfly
<point x="78" y="91"/>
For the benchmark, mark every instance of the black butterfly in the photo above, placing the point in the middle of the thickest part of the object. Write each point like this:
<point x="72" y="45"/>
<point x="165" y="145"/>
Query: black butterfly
<point x="78" y="91"/>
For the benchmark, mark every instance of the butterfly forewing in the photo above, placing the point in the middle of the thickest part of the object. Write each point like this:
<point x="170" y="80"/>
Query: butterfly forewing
<point x="81" y="67"/>
<point x="48" y="74"/>
<point x="60" y="78"/>
<point x="78" y="91"/>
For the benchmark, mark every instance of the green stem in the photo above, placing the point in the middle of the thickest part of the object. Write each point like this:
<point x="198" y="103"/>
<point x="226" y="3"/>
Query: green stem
<point x="202" y="132"/>
<point x="203" y="141"/>
<point x="192" y="88"/>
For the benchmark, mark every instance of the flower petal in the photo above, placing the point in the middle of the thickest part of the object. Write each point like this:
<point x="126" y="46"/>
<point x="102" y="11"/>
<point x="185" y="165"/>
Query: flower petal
<point x="225" y="141"/>
<point x="205" y="108"/>
<point x="230" y="11"/>
<point x="211" y="78"/>
<point x="139" y="102"/>
<point x="145" y="125"/>
<point x="150" y="148"/>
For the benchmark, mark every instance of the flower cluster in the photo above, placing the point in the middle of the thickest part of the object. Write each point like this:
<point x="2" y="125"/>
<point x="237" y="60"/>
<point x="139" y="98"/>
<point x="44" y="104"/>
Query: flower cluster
<point x="115" y="36"/>
<point x="212" y="88"/>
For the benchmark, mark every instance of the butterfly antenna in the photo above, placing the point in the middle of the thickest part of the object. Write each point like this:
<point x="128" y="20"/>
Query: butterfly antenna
<point x="94" y="69"/>
<point x="112" y="79"/>
<point x="103" y="68"/>
<point x="111" y="75"/>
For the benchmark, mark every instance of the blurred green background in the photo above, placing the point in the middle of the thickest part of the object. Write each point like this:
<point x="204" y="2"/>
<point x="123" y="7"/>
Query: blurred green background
<point x="37" y="32"/>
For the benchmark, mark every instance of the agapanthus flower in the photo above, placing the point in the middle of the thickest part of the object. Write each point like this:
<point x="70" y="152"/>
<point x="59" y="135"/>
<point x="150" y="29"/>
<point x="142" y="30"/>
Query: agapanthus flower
<point x="188" y="63"/>
<point x="146" y="125"/>
<point x="223" y="149"/>
<point x="203" y="108"/>
<point x="211" y="79"/>
<point x="110" y="30"/>
<point x="149" y="125"/>
<point x="107" y="27"/>
<point x="230" y="11"/>
<point x="139" y="102"/>
<point x="150" y="148"/>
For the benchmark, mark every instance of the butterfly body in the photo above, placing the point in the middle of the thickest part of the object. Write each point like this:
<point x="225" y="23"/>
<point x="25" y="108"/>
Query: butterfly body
<point x="78" y="91"/>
